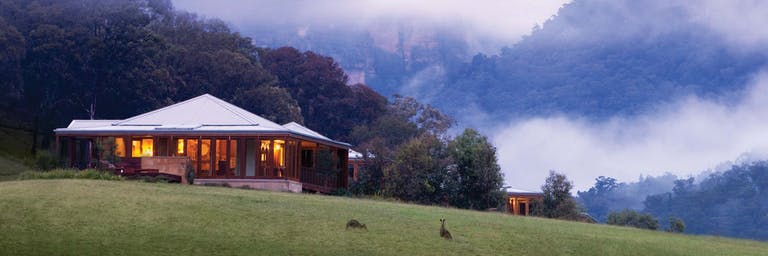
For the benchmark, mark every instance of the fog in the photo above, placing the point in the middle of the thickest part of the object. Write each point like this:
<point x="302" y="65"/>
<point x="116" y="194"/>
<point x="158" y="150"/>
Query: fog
<point x="688" y="137"/>
<point x="506" y="21"/>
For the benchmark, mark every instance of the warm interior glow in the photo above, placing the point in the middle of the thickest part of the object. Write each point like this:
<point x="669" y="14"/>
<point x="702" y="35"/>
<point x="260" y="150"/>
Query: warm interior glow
<point x="233" y="155"/>
<point x="205" y="156"/>
<point x="180" y="147"/>
<point x="220" y="157"/>
<point x="135" y="148"/>
<point x="119" y="147"/>
<point x="279" y="153"/>
<point x="146" y="147"/>
<point x="264" y="150"/>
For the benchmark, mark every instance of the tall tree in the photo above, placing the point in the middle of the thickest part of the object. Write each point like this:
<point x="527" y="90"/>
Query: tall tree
<point x="557" y="202"/>
<point x="479" y="175"/>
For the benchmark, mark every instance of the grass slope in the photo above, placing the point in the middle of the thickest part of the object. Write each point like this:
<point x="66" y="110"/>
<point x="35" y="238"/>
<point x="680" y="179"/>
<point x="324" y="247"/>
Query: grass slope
<point x="10" y="168"/>
<point x="86" y="217"/>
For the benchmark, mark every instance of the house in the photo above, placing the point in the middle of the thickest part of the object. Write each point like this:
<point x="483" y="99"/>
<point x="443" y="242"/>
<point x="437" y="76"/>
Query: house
<point x="519" y="201"/>
<point x="222" y="143"/>
<point x="356" y="162"/>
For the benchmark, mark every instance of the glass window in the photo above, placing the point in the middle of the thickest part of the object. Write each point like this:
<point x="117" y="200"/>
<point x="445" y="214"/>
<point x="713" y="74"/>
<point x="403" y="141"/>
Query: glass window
<point x="119" y="147"/>
<point x="146" y="147"/>
<point x="250" y="157"/>
<point x="135" y="148"/>
<point x="234" y="158"/>
<point x="179" y="147"/>
<point x="307" y="158"/>
<point x="142" y="147"/>
<point x="279" y="156"/>
<point x="221" y="157"/>
<point x="205" y="156"/>
<point x="279" y="153"/>
<point x="192" y="151"/>
<point x="263" y="155"/>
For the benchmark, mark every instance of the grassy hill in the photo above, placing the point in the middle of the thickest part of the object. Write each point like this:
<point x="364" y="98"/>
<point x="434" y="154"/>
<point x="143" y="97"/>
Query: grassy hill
<point x="84" y="217"/>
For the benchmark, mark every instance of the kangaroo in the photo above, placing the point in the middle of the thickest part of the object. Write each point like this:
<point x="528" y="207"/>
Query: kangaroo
<point x="353" y="223"/>
<point x="444" y="232"/>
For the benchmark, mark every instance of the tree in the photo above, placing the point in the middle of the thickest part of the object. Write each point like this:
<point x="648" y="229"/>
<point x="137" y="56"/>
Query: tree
<point x="270" y="102"/>
<point x="631" y="218"/>
<point x="418" y="172"/>
<point x="557" y="202"/>
<point x="479" y="176"/>
<point x="676" y="225"/>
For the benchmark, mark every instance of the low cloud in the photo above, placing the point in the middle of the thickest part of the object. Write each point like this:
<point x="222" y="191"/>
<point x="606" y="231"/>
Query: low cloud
<point x="686" y="138"/>
<point x="740" y="22"/>
<point x="501" y="20"/>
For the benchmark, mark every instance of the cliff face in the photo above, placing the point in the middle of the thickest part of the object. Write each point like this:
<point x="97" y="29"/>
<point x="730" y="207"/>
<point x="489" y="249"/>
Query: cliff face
<point x="384" y="55"/>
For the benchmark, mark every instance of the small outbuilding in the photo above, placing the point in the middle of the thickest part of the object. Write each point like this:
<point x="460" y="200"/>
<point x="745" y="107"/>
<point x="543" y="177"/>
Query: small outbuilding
<point x="520" y="201"/>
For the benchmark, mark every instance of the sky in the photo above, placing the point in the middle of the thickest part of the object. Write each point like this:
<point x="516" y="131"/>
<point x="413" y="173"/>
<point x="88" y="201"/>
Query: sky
<point x="685" y="138"/>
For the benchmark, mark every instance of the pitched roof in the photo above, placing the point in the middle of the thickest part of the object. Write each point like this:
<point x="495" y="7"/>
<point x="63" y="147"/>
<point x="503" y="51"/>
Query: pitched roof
<point x="202" y="114"/>
<point x="203" y="110"/>
<point x="295" y="127"/>
<point x="512" y="191"/>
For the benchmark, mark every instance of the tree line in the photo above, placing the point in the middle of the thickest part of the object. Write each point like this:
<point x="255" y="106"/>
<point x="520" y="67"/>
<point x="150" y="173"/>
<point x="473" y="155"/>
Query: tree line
<point x="112" y="59"/>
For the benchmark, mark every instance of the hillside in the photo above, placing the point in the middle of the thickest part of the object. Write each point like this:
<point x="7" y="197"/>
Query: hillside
<point x="82" y="217"/>
<point x="593" y="58"/>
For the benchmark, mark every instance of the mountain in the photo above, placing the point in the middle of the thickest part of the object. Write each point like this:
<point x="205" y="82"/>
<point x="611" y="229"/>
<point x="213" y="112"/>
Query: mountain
<point x="595" y="59"/>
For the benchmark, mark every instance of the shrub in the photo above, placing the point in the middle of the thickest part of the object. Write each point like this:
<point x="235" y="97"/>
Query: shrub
<point x="340" y="192"/>
<point x="190" y="173"/>
<point x="92" y="174"/>
<point x="46" y="160"/>
<point x="631" y="218"/>
<point x="676" y="225"/>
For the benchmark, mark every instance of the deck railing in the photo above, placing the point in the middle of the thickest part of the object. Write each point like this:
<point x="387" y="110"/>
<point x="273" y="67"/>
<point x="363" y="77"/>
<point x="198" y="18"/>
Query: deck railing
<point x="311" y="176"/>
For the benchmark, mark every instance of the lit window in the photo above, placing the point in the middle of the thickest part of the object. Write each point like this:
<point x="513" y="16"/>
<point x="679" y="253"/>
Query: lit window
<point x="119" y="147"/>
<point x="279" y="152"/>
<point x="146" y="147"/>
<point x="135" y="148"/>
<point x="264" y="150"/>
<point x="141" y="147"/>
<point x="180" y="147"/>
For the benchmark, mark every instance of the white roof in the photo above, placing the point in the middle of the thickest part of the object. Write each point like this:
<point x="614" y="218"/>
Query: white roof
<point x="357" y="155"/>
<point x="295" y="127"/>
<point x="354" y="154"/>
<point x="521" y="192"/>
<point x="203" y="114"/>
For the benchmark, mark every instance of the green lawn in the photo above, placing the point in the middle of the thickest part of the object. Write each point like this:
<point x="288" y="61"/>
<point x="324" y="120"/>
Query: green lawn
<point x="88" y="217"/>
<point x="10" y="168"/>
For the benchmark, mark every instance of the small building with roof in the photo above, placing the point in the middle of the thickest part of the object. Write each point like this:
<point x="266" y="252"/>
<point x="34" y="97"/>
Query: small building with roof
<point x="218" y="142"/>
<point x="519" y="201"/>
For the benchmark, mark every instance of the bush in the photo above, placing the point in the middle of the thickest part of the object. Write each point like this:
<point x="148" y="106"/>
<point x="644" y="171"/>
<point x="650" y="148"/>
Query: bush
<point x="676" y="225"/>
<point x="631" y="218"/>
<point x="190" y="173"/>
<point x="340" y="192"/>
<point x="46" y="160"/>
<point x="92" y="174"/>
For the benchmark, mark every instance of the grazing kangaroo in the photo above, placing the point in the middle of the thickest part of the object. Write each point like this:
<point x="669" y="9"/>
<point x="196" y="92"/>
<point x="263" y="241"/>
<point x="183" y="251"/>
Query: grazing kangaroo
<point x="444" y="232"/>
<point x="353" y="223"/>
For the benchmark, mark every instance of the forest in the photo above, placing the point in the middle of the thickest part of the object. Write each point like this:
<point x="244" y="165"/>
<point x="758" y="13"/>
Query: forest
<point x="725" y="203"/>
<point x="95" y="59"/>
<point x="616" y="63"/>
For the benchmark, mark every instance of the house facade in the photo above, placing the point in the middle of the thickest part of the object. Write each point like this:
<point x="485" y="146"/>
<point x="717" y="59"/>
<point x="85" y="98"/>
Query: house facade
<point x="519" y="201"/>
<point x="217" y="141"/>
